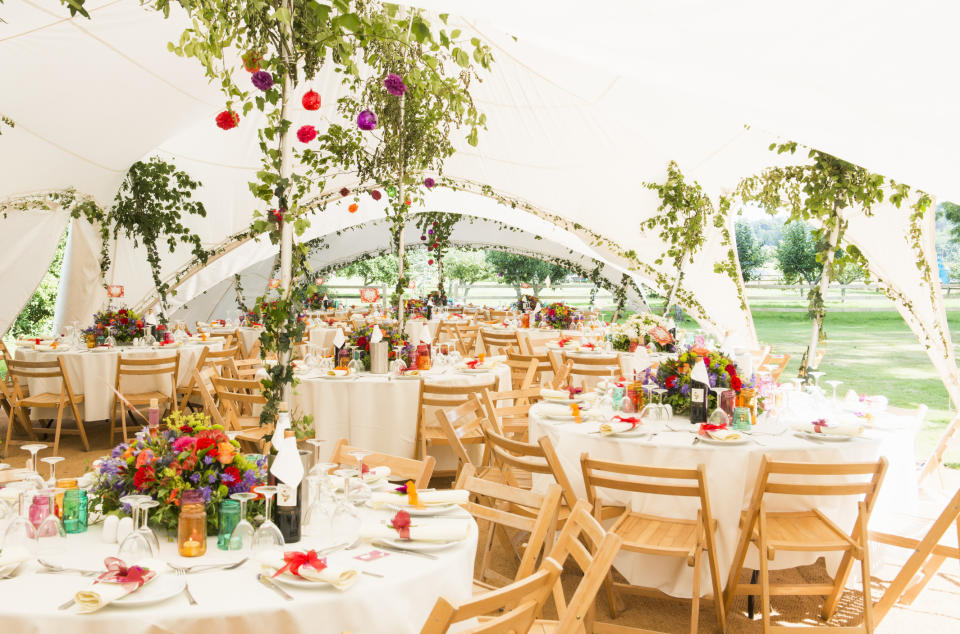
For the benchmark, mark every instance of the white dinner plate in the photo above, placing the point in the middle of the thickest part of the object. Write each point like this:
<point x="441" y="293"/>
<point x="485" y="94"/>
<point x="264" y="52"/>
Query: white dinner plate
<point x="164" y="587"/>
<point x="409" y="544"/>
<point x="826" y="437"/>
<point x="631" y="433"/>
<point x="426" y="511"/>
<point x="713" y="441"/>
<point x="288" y="579"/>
<point x="579" y="398"/>
<point x="473" y="371"/>
<point x="99" y="349"/>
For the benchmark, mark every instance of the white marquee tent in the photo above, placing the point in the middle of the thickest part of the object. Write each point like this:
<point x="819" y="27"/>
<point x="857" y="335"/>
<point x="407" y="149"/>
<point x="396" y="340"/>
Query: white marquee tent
<point x="586" y="102"/>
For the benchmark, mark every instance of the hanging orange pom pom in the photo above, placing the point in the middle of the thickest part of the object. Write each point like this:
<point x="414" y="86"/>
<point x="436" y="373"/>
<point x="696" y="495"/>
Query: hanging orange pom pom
<point x="251" y="61"/>
<point x="353" y="208"/>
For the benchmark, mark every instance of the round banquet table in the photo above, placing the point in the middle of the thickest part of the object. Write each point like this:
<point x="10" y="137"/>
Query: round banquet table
<point x="376" y="411"/>
<point x="731" y="473"/>
<point x="234" y="602"/>
<point x="93" y="374"/>
<point x="248" y="335"/>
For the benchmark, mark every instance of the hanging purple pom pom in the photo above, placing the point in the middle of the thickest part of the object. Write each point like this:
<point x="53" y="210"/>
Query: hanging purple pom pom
<point x="366" y="120"/>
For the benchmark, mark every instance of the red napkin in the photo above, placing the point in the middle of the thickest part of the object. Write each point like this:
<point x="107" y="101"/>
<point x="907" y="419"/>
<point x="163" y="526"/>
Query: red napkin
<point x="633" y="420"/>
<point x="589" y="345"/>
<point x="294" y="559"/>
<point x="401" y="522"/>
<point x="472" y="364"/>
<point x="705" y="427"/>
<point x="818" y="425"/>
<point x="563" y="342"/>
<point x="130" y="577"/>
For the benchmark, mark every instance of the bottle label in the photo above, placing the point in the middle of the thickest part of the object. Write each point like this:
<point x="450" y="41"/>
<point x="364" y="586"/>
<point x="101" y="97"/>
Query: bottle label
<point x="696" y="395"/>
<point x="286" y="495"/>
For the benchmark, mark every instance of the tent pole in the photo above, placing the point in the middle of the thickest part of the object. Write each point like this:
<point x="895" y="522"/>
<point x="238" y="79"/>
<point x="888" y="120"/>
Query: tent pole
<point x="401" y="211"/>
<point x="286" y="167"/>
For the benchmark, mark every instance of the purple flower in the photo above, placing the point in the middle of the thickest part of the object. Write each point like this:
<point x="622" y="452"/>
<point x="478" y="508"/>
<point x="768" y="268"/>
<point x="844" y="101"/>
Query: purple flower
<point x="395" y="85"/>
<point x="262" y="80"/>
<point x="366" y="120"/>
<point x="194" y="477"/>
<point x="429" y="182"/>
<point x="208" y="459"/>
<point x="118" y="450"/>
<point x="685" y="389"/>
<point x="205" y="492"/>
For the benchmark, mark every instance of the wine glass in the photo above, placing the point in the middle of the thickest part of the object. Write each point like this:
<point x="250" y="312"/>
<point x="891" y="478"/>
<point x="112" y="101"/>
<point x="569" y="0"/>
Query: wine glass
<point x="52" y="461"/>
<point x="242" y="536"/>
<point x="816" y="374"/>
<point x="319" y="513"/>
<point x="722" y="417"/>
<point x="268" y="536"/>
<point x="21" y="533"/>
<point x="346" y="519"/>
<point x="397" y="366"/>
<point x="144" y="528"/>
<point x="834" y="385"/>
<point x="51" y="526"/>
<point x="32" y="476"/>
<point x="134" y="547"/>
<point x="315" y="442"/>
<point x="362" y="493"/>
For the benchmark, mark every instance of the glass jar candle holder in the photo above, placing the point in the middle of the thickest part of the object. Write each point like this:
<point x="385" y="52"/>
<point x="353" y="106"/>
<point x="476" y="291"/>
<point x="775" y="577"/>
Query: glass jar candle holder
<point x="192" y="526"/>
<point x="75" y="510"/>
<point x="229" y="518"/>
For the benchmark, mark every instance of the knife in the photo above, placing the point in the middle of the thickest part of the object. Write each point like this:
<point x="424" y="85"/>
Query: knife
<point x="270" y="584"/>
<point x="67" y="604"/>
<point x="404" y="551"/>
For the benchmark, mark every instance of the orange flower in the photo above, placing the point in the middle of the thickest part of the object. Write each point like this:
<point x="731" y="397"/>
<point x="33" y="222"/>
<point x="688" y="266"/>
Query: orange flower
<point x="172" y="498"/>
<point x="226" y="452"/>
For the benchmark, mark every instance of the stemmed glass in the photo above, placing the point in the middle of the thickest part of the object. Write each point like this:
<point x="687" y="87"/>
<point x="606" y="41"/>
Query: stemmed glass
<point x="319" y="514"/>
<point x="362" y="494"/>
<point x="268" y="536"/>
<point x="134" y="546"/>
<point x="397" y="366"/>
<point x="52" y="461"/>
<point x="714" y="417"/>
<point x="834" y="385"/>
<point x="144" y="528"/>
<point x="21" y="533"/>
<point x="242" y="536"/>
<point x="346" y="519"/>
<point x="51" y="526"/>
<point x="32" y="477"/>
<point x="816" y="376"/>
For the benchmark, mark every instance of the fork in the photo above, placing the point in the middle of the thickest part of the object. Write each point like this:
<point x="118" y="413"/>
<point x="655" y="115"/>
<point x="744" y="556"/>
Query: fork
<point x="208" y="567"/>
<point x="186" y="587"/>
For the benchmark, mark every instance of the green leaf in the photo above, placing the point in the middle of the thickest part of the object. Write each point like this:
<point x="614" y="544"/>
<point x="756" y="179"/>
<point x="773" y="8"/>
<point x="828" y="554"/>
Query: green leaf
<point x="348" y="21"/>
<point x="455" y="33"/>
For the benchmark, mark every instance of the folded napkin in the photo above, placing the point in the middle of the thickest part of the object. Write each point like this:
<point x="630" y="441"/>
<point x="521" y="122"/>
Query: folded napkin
<point x="339" y="338"/>
<point x="719" y="432"/>
<point x="376" y="335"/>
<point x="554" y="394"/>
<point x="374" y="474"/>
<point x="425" y="498"/>
<point x="11" y="558"/>
<point x="307" y="565"/>
<point x="117" y="582"/>
<point x="619" y="424"/>
<point x="420" y="529"/>
<point x="821" y="427"/>
<point x="555" y="410"/>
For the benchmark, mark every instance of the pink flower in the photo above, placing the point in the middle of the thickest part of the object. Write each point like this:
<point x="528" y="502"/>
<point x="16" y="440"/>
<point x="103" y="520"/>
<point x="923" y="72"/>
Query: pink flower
<point x="306" y="133"/>
<point x="183" y="443"/>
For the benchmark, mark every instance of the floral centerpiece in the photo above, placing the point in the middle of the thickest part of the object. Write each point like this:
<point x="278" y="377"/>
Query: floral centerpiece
<point x="415" y="306"/>
<point x="526" y="302"/>
<point x="191" y="453"/>
<point x="124" y="324"/>
<point x="315" y="300"/>
<point x="674" y="376"/>
<point x="645" y="329"/>
<point x="557" y="315"/>
<point x="255" y="317"/>
<point x="359" y="339"/>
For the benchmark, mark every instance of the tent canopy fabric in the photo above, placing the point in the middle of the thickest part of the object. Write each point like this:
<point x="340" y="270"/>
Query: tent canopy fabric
<point x="585" y="103"/>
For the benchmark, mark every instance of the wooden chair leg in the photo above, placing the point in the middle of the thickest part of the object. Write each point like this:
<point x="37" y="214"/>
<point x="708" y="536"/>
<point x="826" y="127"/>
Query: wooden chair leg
<point x="695" y="597"/>
<point x="113" y="421"/>
<point x="927" y="572"/>
<point x="611" y="595"/>
<point x="764" y="571"/>
<point x="751" y="599"/>
<point x="715" y="578"/>
<point x="123" y="420"/>
<point x="865" y="574"/>
<point x="833" y="600"/>
<point x="11" y="420"/>
<point x="56" y="433"/>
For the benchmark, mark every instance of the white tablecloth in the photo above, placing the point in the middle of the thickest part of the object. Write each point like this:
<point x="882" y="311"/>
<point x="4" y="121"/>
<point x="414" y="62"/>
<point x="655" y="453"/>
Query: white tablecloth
<point x="374" y="411"/>
<point x="249" y="337"/>
<point x="234" y="602"/>
<point x="93" y="374"/>
<point x="322" y="336"/>
<point x="731" y="476"/>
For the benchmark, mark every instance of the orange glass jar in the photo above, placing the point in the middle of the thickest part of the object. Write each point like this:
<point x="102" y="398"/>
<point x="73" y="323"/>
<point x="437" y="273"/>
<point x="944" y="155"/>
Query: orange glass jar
<point x="192" y="525"/>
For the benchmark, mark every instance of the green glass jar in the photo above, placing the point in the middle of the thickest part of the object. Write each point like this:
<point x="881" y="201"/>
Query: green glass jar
<point x="75" y="510"/>
<point x="229" y="518"/>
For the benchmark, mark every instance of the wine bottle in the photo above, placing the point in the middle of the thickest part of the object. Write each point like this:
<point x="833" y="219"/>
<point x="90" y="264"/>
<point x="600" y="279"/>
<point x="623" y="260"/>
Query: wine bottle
<point x="289" y="501"/>
<point x="699" y="388"/>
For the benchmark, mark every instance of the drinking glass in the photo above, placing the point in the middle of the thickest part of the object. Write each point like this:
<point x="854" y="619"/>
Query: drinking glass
<point x="816" y="376"/>
<point x="32" y="476"/>
<point x="268" y="536"/>
<point x="242" y="536"/>
<point x="134" y="546"/>
<point x="50" y="527"/>
<point x="52" y="461"/>
<point x="320" y="511"/>
<point x="21" y="533"/>
<point x="346" y="519"/>
<point x="362" y="492"/>
<point x="144" y="528"/>
<point x="397" y="366"/>
<point x="834" y="385"/>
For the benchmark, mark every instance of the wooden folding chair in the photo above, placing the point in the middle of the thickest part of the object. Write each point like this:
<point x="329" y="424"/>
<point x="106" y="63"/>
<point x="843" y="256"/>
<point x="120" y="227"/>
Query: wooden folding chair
<point x="237" y="402"/>
<point x="929" y="553"/>
<point x="759" y="356"/>
<point x="495" y="504"/>
<point x="497" y="342"/>
<point x="590" y="368"/>
<point x="497" y="315"/>
<point x="419" y="471"/>
<point x="467" y="335"/>
<point x="21" y="399"/>
<point x="245" y="369"/>
<point x="592" y="550"/>
<point x="656" y="535"/>
<point x="433" y="397"/>
<point x="934" y="464"/>
<point x="160" y="368"/>
<point x="463" y="425"/>
<point x="809" y="531"/>
<point x="253" y="352"/>
<point x="515" y="606"/>
<point x="220" y="360"/>
<point x="777" y="364"/>
<point x="228" y="339"/>
<point x="519" y="364"/>
<point x="561" y="377"/>
<point x="203" y="380"/>
<point x="512" y="418"/>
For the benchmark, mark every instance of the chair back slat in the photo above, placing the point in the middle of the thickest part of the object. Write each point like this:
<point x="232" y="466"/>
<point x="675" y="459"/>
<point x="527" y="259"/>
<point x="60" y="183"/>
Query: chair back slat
<point x="419" y="471"/>
<point x="539" y="457"/>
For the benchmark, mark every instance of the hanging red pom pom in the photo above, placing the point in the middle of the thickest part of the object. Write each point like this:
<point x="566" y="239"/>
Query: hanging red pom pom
<point x="227" y="120"/>
<point x="375" y="194"/>
<point x="311" y="100"/>
<point x="429" y="261"/>
<point x="406" y="202"/>
<point x="344" y="192"/>
<point x="353" y="208"/>
<point x="306" y="133"/>
<point x="423" y="237"/>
